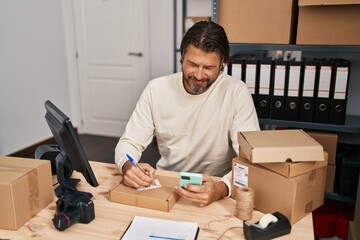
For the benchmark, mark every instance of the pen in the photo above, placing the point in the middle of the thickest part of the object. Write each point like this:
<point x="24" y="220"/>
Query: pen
<point x="133" y="163"/>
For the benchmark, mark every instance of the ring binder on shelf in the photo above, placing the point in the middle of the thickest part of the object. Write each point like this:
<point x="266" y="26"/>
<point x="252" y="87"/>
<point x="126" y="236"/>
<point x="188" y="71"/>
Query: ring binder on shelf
<point x="293" y="91"/>
<point x="277" y="110"/>
<point x="250" y="69"/>
<point x="322" y="95"/>
<point x="339" y="94"/>
<point x="263" y="97"/>
<point x="307" y="91"/>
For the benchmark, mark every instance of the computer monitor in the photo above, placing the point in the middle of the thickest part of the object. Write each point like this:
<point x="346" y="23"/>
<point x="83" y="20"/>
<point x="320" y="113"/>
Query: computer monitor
<point x="71" y="156"/>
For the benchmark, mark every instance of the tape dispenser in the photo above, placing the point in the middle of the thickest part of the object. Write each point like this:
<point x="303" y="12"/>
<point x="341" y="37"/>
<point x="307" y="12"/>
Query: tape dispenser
<point x="270" y="226"/>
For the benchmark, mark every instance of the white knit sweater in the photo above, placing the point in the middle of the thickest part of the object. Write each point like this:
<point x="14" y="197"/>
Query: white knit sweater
<point x="195" y="133"/>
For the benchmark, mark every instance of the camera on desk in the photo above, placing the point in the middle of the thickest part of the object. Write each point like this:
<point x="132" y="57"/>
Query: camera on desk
<point x="72" y="208"/>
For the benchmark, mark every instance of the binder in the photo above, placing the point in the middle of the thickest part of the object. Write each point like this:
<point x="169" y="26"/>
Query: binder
<point x="277" y="110"/>
<point x="250" y="75"/>
<point x="236" y="69"/>
<point x="292" y="102"/>
<point x="263" y="96"/>
<point x="322" y="93"/>
<point x="307" y="91"/>
<point x="339" y="94"/>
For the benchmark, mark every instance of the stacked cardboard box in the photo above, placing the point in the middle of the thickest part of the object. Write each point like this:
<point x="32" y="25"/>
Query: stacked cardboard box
<point x="26" y="187"/>
<point x="296" y="187"/>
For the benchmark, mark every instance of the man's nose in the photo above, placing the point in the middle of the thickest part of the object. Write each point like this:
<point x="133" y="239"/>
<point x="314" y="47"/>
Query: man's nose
<point x="199" y="73"/>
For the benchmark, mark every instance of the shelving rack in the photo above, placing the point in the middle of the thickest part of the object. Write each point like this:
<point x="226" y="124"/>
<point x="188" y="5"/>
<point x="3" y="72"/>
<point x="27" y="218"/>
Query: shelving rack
<point x="352" y="123"/>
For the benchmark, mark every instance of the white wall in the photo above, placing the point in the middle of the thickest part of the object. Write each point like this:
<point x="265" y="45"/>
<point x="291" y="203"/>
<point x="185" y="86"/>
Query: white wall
<point x="32" y="70"/>
<point x="34" y="65"/>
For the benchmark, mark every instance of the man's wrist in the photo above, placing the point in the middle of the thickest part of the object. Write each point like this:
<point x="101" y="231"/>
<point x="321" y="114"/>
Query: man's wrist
<point x="222" y="190"/>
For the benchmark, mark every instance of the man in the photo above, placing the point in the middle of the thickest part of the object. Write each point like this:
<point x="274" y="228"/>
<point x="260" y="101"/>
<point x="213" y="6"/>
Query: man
<point x="195" y="116"/>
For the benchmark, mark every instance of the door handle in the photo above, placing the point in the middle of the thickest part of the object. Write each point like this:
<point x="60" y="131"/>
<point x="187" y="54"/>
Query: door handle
<point x="139" y="54"/>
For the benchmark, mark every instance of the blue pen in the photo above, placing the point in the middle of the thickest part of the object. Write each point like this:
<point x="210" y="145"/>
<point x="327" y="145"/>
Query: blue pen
<point x="133" y="163"/>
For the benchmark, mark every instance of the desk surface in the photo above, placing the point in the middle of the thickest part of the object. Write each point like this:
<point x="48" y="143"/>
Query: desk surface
<point x="113" y="218"/>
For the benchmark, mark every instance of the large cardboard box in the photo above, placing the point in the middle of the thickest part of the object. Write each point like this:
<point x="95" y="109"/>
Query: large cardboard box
<point x="162" y="199"/>
<point x="294" y="197"/>
<point x="26" y="187"/>
<point x="270" y="146"/>
<point x="329" y="142"/>
<point x="258" y="21"/>
<point x="329" y="22"/>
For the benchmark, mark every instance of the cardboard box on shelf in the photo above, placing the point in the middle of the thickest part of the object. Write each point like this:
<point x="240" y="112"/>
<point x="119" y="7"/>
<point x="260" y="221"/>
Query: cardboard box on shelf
<point x="162" y="199"/>
<point x="258" y="21"/>
<point x="330" y="22"/>
<point x="329" y="142"/>
<point x="26" y="187"/>
<point x="330" y="178"/>
<point x="270" y="146"/>
<point x="294" y="169"/>
<point x="294" y="197"/>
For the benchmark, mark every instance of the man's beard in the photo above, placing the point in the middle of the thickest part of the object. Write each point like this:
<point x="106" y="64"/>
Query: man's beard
<point x="197" y="89"/>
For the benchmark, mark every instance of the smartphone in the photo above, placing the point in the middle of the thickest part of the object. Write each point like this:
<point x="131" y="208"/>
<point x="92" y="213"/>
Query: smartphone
<point x="190" y="178"/>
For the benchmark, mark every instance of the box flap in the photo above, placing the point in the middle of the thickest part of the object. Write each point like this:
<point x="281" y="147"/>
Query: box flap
<point x="326" y="2"/>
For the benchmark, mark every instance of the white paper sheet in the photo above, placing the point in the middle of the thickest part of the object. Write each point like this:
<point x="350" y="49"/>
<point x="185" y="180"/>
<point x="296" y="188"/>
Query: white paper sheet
<point x="160" y="229"/>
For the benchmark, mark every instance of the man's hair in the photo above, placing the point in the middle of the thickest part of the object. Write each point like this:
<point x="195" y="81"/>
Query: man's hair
<point x="209" y="37"/>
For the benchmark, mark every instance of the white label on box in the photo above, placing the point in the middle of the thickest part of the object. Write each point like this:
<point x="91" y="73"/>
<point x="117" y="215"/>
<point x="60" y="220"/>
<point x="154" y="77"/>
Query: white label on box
<point x="241" y="175"/>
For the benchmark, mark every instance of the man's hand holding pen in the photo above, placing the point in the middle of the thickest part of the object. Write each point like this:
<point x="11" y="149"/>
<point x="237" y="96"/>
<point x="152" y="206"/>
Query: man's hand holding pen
<point x="137" y="175"/>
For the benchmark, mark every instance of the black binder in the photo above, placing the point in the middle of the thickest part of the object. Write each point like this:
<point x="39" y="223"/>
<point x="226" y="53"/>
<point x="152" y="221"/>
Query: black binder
<point x="277" y="109"/>
<point x="292" y="103"/>
<point x="339" y="91"/>
<point x="322" y="93"/>
<point x="250" y="76"/>
<point x="263" y="97"/>
<point x="307" y="91"/>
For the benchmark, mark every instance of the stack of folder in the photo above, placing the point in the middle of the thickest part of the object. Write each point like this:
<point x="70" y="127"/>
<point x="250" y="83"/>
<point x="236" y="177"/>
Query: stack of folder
<point x="311" y="90"/>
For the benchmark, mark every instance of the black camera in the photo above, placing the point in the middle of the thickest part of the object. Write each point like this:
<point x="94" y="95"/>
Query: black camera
<point x="72" y="208"/>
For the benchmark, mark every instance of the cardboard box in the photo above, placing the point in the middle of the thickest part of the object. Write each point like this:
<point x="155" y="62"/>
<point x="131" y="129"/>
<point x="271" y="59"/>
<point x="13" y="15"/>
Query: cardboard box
<point x="162" y="199"/>
<point x="294" y="169"/>
<point x="330" y="178"/>
<point x="294" y="197"/>
<point x="354" y="230"/>
<point x="329" y="142"/>
<point x="279" y="146"/>
<point x="26" y="187"/>
<point x="357" y="204"/>
<point x="258" y="21"/>
<point x="329" y="22"/>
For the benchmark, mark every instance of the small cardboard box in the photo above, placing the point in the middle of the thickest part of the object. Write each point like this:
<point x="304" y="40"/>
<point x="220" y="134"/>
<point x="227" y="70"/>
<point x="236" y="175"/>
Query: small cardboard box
<point x="329" y="142"/>
<point x="294" y="169"/>
<point x="162" y="199"/>
<point x="26" y="187"/>
<point x="294" y="197"/>
<point x="329" y="22"/>
<point x="270" y="146"/>
<point x="258" y="21"/>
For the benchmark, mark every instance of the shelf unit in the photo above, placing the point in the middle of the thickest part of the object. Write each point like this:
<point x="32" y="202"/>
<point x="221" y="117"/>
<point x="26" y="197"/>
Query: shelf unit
<point x="352" y="123"/>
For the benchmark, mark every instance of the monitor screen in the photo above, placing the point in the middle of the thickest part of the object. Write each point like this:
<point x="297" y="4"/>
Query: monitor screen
<point x="72" y="154"/>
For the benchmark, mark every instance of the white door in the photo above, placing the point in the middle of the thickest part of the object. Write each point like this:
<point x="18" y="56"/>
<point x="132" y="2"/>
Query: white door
<point x="113" y="61"/>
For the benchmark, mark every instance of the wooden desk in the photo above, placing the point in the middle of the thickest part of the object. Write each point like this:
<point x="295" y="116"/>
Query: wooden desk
<point x="111" y="219"/>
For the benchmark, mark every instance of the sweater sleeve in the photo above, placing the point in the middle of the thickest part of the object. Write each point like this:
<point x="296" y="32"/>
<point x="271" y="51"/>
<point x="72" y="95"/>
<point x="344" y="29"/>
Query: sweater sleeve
<point x="245" y="119"/>
<point x="138" y="132"/>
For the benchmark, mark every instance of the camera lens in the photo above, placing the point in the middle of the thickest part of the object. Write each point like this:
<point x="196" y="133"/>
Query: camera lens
<point x="66" y="218"/>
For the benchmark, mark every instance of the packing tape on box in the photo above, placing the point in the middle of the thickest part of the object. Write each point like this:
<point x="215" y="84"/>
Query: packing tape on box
<point x="244" y="203"/>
